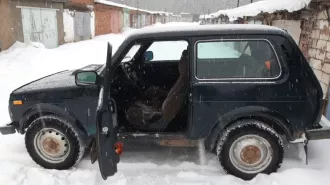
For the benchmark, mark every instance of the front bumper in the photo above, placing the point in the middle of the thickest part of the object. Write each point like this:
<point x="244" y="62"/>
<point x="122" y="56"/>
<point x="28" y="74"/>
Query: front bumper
<point x="8" y="129"/>
<point x="321" y="133"/>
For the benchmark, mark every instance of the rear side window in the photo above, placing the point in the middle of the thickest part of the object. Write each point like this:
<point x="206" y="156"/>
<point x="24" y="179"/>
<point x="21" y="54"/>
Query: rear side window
<point x="236" y="59"/>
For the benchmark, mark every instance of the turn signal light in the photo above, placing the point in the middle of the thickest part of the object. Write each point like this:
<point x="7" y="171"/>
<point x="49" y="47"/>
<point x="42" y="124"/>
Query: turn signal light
<point x="119" y="148"/>
<point x="18" y="102"/>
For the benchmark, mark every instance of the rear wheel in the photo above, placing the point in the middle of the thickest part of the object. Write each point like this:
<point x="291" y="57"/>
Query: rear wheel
<point x="53" y="143"/>
<point x="249" y="147"/>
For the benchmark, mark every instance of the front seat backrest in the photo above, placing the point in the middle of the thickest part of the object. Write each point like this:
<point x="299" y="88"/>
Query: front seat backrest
<point x="175" y="97"/>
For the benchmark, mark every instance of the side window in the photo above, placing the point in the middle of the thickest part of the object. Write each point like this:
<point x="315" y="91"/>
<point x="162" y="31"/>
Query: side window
<point x="236" y="59"/>
<point x="167" y="50"/>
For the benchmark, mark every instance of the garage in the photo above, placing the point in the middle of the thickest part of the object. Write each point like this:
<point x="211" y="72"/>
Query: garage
<point x="291" y="26"/>
<point x="40" y="25"/>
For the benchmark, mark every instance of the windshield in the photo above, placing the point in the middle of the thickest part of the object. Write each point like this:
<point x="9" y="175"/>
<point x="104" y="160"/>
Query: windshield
<point x="131" y="53"/>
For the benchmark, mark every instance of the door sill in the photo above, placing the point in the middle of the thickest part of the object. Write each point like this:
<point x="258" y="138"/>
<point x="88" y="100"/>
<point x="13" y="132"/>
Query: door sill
<point x="162" y="139"/>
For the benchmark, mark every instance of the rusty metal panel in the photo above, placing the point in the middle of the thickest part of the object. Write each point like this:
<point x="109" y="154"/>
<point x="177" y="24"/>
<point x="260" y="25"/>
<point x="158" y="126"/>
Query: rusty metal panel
<point x="115" y="21"/>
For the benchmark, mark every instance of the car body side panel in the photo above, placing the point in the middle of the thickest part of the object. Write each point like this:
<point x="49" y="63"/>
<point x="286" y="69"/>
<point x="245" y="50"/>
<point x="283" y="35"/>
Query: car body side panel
<point x="76" y="105"/>
<point x="293" y="97"/>
<point x="247" y="112"/>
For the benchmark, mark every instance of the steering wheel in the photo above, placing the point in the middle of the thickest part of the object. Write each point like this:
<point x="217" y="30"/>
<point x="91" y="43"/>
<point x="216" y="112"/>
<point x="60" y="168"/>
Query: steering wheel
<point x="133" y="75"/>
<point x="129" y="71"/>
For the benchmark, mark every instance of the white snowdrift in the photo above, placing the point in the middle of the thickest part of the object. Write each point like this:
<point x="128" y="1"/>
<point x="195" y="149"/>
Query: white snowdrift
<point x="129" y="7"/>
<point x="267" y="6"/>
<point x="140" y="165"/>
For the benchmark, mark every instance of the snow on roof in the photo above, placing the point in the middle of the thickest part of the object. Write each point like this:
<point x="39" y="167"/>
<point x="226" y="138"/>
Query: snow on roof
<point x="253" y="9"/>
<point x="110" y="3"/>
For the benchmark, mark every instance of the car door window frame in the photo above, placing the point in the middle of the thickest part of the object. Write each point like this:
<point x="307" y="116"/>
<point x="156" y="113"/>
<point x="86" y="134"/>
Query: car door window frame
<point x="248" y="80"/>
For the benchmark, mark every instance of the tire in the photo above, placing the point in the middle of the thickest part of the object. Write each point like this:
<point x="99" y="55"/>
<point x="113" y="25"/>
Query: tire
<point x="249" y="147"/>
<point x="53" y="143"/>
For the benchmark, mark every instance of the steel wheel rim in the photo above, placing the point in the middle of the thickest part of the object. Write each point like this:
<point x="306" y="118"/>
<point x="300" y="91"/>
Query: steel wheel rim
<point x="251" y="154"/>
<point x="51" y="145"/>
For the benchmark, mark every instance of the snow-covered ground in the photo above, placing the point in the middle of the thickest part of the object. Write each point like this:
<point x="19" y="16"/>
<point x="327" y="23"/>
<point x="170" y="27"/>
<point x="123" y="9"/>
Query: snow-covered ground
<point x="140" y="165"/>
<point x="267" y="6"/>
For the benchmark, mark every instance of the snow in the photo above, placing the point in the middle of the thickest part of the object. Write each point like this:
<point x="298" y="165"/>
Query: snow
<point x="266" y="6"/>
<point x="140" y="164"/>
<point x="110" y="3"/>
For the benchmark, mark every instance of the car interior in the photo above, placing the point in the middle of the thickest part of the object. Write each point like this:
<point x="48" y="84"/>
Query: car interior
<point x="254" y="60"/>
<point x="151" y="89"/>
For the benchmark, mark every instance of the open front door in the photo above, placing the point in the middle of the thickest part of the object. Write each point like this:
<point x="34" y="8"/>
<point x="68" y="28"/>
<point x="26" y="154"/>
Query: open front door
<point x="106" y="130"/>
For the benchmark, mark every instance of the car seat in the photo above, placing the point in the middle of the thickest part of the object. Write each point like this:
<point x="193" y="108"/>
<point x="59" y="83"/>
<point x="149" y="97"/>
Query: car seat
<point x="155" y="115"/>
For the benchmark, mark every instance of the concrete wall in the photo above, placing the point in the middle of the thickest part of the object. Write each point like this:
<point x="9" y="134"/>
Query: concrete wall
<point x="6" y="35"/>
<point x="15" y="15"/>
<point x="92" y="24"/>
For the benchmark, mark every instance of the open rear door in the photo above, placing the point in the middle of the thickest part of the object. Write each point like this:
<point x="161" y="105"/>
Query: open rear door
<point x="106" y="130"/>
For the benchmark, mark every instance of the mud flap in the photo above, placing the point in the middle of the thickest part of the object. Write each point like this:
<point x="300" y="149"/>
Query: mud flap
<point x="306" y="150"/>
<point x="93" y="152"/>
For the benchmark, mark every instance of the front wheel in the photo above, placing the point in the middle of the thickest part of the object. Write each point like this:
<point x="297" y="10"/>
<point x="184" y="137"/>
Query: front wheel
<point x="53" y="143"/>
<point x="249" y="147"/>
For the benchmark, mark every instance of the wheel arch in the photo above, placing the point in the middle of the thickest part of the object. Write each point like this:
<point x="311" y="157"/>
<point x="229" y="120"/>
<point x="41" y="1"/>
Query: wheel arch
<point x="272" y="118"/>
<point x="43" y="109"/>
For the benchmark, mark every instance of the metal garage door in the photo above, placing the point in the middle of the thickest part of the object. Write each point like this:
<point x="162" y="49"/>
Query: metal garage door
<point x="82" y="26"/>
<point x="292" y="27"/>
<point x="40" y="25"/>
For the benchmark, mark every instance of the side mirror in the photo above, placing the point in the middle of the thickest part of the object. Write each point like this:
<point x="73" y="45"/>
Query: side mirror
<point x="148" y="55"/>
<point x="85" y="78"/>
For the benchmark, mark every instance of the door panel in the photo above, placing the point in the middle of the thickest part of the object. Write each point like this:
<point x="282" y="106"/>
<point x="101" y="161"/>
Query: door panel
<point x="106" y="134"/>
<point x="31" y="21"/>
<point x="49" y="28"/>
<point x="105" y="142"/>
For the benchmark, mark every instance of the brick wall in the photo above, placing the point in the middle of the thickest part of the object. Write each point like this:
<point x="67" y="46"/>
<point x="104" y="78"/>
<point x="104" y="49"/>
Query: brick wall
<point x="79" y="4"/>
<point x="6" y="35"/>
<point x="315" y="44"/>
<point x="85" y="2"/>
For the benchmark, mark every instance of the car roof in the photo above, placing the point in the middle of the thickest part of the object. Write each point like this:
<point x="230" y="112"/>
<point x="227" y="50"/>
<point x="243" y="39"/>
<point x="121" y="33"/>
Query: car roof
<point x="165" y="31"/>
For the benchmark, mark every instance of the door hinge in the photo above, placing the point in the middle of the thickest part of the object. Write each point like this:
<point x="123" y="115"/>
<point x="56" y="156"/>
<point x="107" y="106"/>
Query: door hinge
<point x="190" y="97"/>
